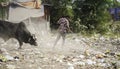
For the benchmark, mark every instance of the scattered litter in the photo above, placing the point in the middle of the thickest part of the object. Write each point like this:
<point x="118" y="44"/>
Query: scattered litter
<point x="16" y="58"/>
<point x="81" y="56"/>
<point x="100" y="55"/>
<point x="11" y="66"/>
<point x="70" y="66"/>
<point x="3" y="58"/>
<point x="102" y="64"/>
<point x="90" y="62"/>
<point x="87" y="53"/>
<point x="8" y="57"/>
<point x="80" y="63"/>
<point x="101" y="60"/>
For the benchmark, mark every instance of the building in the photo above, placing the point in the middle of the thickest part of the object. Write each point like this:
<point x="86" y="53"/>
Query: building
<point x="115" y="13"/>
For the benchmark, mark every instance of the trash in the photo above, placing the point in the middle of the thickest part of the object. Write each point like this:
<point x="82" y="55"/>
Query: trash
<point x="101" y="60"/>
<point x="107" y="51"/>
<point x="118" y="54"/>
<point x="5" y="55"/>
<point x="75" y="59"/>
<point x="90" y="62"/>
<point x="10" y="66"/>
<point x="102" y="64"/>
<point x="70" y="66"/>
<point x="39" y="68"/>
<point x="68" y="58"/>
<point x="80" y="63"/>
<point x="3" y="58"/>
<point x="81" y="56"/>
<point x="61" y="56"/>
<point x="16" y="58"/>
<point x="45" y="59"/>
<point x="8" y="57"/>
<point x="100" y="56"/>
<point x="59" y="60"/>
<point x="77" y="40"/>
<point x="118" y="64"/>
<point x="87" y="53"/>
<point x="112" y="54"/>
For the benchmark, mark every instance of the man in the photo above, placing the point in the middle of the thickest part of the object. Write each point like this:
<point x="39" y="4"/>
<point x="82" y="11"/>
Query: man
<point x="63" y="29"/>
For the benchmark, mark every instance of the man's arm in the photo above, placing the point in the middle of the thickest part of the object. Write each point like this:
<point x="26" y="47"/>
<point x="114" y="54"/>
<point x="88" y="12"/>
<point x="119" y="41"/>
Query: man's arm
<point x="68" y="27"/>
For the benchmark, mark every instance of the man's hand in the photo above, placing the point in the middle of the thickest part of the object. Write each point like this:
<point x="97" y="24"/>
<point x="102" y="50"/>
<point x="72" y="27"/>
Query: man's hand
<point x="69" y="30"/>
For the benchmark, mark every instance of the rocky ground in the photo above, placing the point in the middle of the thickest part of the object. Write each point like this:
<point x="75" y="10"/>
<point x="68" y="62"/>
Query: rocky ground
<point x="78" y="52"/>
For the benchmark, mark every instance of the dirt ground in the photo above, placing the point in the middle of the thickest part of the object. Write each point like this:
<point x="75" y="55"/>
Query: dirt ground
<point x="78" y="52"/>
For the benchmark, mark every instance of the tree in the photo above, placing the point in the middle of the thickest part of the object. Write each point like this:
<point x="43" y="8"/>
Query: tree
<point x="88" y="15"/>
<point x="93" y="14"/>
<point x="4" y="6"/>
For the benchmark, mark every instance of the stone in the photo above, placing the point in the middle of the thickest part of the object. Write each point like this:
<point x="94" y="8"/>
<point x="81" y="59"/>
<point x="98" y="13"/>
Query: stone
<point x="11" y="66"/>
<point x="118" y="64"/>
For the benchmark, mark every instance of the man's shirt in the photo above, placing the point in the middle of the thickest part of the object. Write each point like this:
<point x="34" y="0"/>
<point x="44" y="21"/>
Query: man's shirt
<point x="64" y="25"/>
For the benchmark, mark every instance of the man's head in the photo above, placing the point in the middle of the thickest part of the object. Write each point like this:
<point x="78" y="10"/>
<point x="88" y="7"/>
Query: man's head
<point x="67" y="17"/>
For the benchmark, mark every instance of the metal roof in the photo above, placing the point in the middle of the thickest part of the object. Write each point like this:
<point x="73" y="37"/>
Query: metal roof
<point x="23" y="0"/>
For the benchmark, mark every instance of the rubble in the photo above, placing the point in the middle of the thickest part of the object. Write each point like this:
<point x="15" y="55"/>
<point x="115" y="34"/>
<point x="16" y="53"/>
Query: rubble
<point x="10" y="66"/>
<point x="42" y="57"/>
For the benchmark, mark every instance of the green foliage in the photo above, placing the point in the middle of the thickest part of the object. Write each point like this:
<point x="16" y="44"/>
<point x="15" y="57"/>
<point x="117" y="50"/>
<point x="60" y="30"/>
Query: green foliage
<point x="3" y="9"/>
<point x="93" y="14"/>
<point x="87" y="16"/>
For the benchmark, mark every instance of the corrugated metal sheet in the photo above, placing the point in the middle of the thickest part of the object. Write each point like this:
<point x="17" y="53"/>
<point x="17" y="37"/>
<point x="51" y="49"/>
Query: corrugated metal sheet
<point x="29" y="3"/>
<point x="22" y="0"/>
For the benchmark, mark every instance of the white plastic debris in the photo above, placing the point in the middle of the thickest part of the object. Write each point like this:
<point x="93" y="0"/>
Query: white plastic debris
<point x="75" y="60"/>
<point x="11" y="66"/>
<point x="45" y="59"/>
<point x="101" y="60"/>
<point x="90" y="62"/>
<point x="61" y="56"/>
<point x="71" y="66"/>
<point x="102" y="38"/>
<point x="59" y="60"/>
<point x="8" y="57"/>
<point x="39" y="68"/>
<point x="102" y="64"/>
<point x="80" y="63"/>
<point x="77" y="40"/>
<point x="81" y="56"/>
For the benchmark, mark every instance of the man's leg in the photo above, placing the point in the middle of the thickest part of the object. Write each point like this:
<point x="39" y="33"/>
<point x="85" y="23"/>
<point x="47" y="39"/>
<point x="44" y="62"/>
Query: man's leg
<point x="63" y="37"/>
<point x="58" y="37"/>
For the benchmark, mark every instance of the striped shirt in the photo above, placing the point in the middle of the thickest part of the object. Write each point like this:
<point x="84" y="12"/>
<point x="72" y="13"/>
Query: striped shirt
<point x="64" y="25"/>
